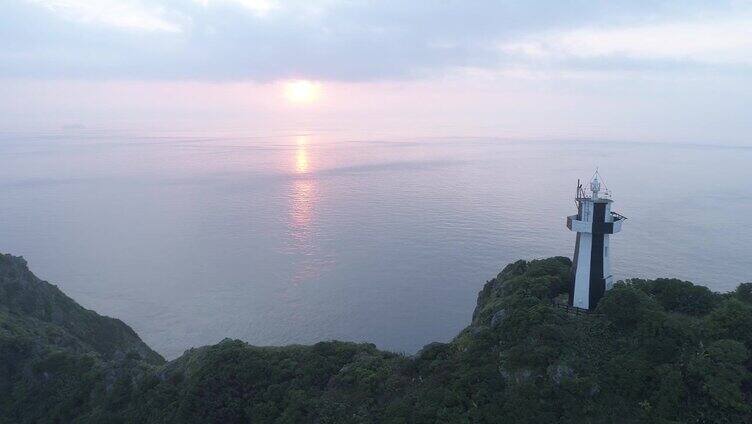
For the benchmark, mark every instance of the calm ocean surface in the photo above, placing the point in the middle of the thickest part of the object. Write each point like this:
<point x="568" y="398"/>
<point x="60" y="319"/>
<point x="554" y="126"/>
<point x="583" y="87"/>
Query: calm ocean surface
<point x="296" y="238"/>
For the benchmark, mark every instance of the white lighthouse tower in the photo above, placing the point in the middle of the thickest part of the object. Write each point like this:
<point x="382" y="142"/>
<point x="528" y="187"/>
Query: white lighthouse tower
<point x="594" y="222"/>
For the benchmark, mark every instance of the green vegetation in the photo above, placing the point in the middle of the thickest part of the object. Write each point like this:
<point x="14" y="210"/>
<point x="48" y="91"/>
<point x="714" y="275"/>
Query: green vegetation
<point x="59" y="361"/>
<point x="655" y="351"/>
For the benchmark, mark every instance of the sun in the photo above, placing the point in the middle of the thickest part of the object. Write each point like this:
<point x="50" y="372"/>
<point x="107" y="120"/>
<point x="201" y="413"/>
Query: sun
<point x="302" y="91"/>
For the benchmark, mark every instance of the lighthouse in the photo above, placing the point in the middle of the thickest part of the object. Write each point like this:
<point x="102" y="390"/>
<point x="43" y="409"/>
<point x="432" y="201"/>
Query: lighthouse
<point x="594" y="223"/>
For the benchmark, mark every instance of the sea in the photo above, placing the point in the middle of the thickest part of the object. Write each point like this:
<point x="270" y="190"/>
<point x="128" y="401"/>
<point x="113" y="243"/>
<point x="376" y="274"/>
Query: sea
<point x="294" y="237"/>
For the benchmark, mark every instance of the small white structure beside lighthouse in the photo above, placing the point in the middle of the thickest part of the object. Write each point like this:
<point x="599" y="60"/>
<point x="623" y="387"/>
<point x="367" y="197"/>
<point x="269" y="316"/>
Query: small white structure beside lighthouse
<point x="594" y="223"/>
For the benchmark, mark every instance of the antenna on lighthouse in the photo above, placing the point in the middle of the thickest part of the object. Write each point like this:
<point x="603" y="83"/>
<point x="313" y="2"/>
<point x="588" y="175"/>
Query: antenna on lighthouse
<point x="595" y="185"/>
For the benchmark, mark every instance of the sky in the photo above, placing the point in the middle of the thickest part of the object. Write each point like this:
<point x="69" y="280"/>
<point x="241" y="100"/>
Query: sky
<point x="674" y="71"/>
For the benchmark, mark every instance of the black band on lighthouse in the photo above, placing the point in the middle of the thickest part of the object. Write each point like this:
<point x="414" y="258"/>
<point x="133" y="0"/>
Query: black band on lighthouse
<point x="597" y="283"/>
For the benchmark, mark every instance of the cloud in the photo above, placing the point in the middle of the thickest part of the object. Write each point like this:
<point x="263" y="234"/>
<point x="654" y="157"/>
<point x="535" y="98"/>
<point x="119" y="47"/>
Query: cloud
<point x="260" y="8"/>
<point x="726" y="42"/>
<point x="120" y="14"/>
<point x="262" y="40"/>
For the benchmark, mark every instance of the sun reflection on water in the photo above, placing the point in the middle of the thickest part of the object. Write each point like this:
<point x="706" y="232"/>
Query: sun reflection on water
<point x="301" y="154"/>
<point x="304" y="196"/>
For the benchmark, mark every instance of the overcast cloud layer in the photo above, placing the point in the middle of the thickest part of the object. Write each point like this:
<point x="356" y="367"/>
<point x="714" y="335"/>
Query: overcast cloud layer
<point x="678" y="71"/>
<point x="266" y="40"/>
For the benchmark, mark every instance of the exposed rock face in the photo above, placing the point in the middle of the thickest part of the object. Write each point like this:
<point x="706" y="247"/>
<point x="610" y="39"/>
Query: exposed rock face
<point x="498" y="317"/>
